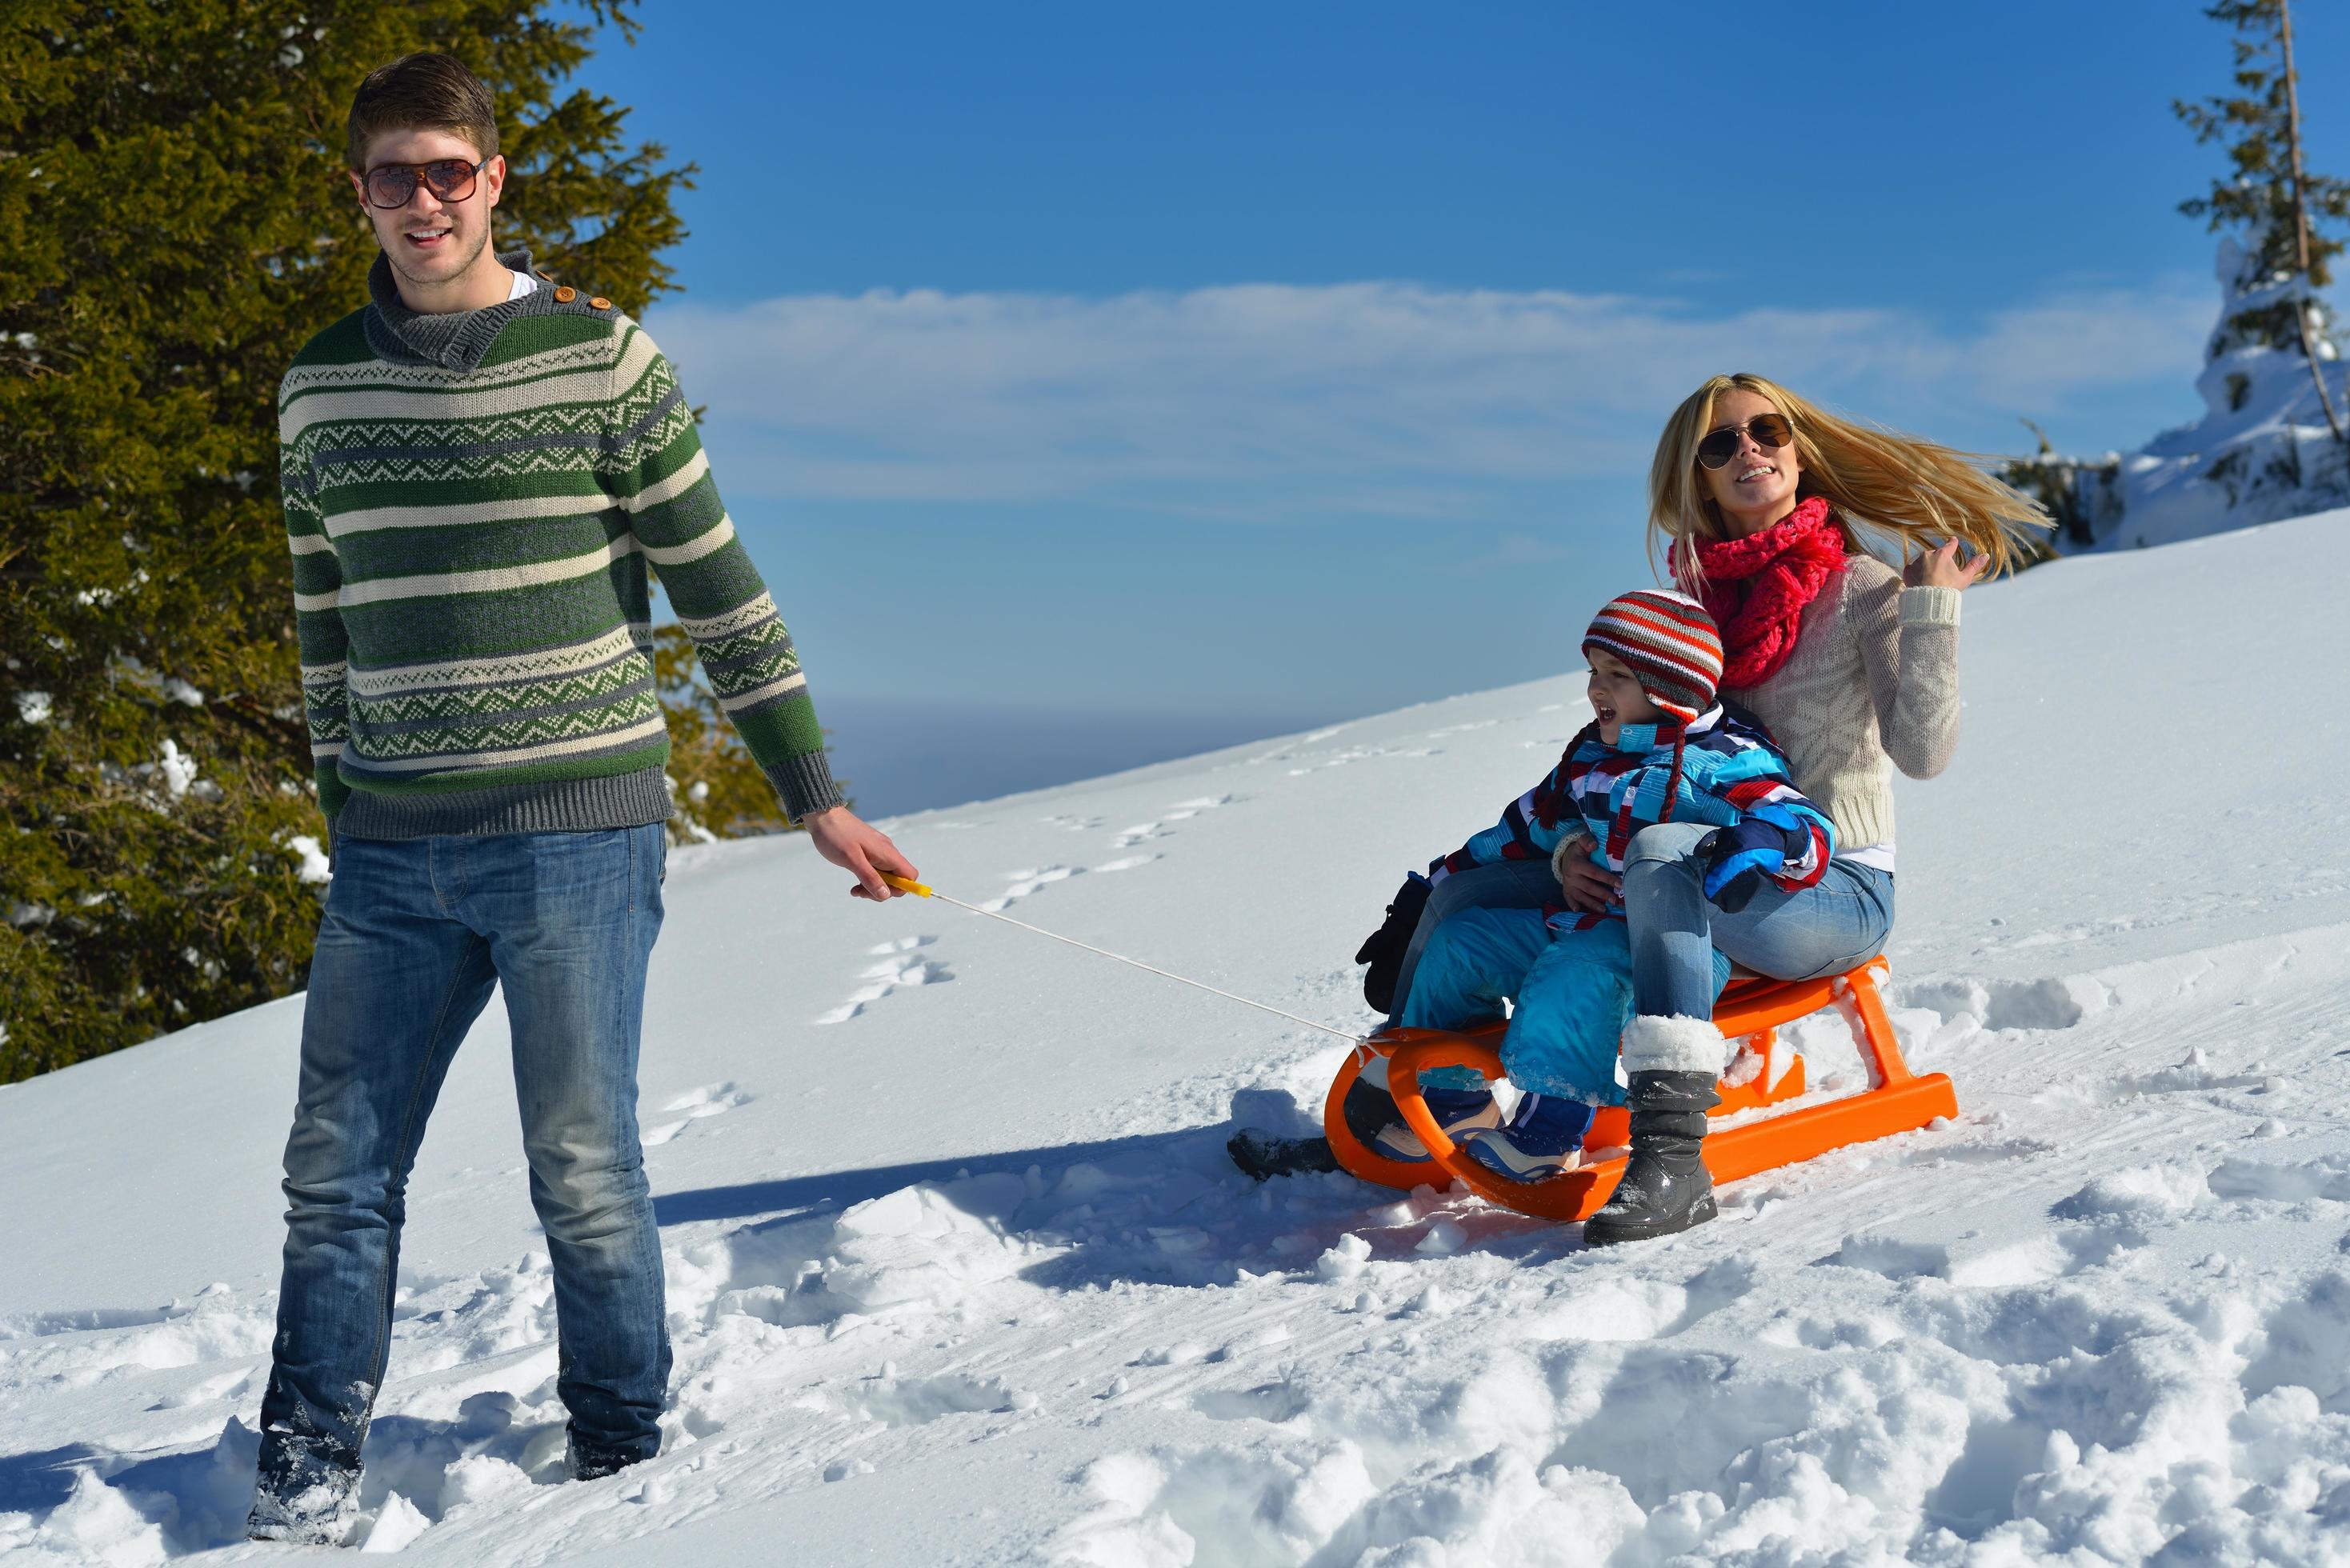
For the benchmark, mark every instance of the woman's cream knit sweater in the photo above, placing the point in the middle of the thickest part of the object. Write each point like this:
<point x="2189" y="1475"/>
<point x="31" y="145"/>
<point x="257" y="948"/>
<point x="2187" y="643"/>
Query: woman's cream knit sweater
<point x="1872" y="685"/>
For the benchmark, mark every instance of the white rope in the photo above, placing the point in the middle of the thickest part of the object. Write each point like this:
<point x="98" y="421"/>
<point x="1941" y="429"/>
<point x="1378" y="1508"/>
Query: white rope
<point x="1152" y="969"/>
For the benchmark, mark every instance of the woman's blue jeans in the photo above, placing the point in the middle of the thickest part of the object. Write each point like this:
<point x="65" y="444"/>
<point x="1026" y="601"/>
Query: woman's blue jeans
<point x="415" y="935"/>
<point x="1838" y="922"/>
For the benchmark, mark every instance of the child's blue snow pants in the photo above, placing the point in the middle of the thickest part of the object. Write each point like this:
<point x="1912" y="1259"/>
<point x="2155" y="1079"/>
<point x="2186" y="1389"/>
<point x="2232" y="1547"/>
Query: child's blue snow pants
<point x="1573" y="991"/>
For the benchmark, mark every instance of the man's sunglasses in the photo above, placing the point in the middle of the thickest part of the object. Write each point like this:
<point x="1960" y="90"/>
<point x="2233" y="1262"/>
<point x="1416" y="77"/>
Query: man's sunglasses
<point x="1771" y="431"/>
<point x="449" y="179"/>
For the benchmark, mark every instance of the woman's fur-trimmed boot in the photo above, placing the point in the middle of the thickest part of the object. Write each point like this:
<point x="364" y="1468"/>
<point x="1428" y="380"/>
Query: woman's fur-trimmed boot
<point x="1672" y="1064"/>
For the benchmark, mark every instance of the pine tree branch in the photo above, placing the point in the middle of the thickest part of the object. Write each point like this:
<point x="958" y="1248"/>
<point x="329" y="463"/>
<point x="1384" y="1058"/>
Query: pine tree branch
<point x="289" y="737"/>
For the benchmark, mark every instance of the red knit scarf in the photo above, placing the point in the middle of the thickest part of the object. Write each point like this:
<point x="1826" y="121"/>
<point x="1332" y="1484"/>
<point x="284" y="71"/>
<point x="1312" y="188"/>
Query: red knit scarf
<point x="1756" y="588"/>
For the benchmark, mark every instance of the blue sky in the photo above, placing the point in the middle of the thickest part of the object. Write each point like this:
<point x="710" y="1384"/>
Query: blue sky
<point x="1298" y="361"/>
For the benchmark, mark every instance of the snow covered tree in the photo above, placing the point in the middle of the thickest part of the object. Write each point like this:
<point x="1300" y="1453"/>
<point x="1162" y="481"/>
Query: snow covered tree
<point x="2270" y="202"/>
<point x="2273" y="441"/>
<point x="175" y="222"/>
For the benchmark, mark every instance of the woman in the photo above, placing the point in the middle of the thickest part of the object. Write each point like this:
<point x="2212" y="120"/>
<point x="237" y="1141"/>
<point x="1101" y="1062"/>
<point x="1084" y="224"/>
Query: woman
<point x="1770" y="505"/>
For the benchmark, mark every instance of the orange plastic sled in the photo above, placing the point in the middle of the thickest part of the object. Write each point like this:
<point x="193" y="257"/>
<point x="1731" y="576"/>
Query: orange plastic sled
<point x="1751" y="1009"/>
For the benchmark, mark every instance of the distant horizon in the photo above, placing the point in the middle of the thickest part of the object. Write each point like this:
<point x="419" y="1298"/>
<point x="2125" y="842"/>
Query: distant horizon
<point x="1311" y="359"/>
<point x="898" y="756"/>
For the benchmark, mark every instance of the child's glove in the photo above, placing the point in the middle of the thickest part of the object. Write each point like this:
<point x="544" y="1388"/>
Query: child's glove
<point x="1736" y="859"/>
<point x="1383" y="949"/>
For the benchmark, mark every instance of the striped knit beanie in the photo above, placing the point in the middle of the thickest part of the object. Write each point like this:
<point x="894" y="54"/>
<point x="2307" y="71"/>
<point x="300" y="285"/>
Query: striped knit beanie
<point x="1669" y="642"/>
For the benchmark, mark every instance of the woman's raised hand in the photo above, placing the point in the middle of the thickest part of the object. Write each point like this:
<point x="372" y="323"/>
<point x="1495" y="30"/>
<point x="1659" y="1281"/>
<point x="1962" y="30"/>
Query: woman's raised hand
<point x="1943" y="568"/>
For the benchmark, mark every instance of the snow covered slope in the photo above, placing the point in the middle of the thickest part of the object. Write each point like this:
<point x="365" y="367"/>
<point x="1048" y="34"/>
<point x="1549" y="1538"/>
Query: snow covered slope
<point x="959" y="1274"/>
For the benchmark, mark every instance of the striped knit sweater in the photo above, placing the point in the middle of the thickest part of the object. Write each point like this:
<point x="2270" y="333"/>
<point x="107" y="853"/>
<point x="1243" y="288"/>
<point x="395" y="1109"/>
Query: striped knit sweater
<point x="471" y="501"/>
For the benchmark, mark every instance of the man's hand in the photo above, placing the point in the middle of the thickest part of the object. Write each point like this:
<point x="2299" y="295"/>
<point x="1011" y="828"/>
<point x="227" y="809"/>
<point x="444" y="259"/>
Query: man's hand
<point x="855" y="845"/>
<point x="1589" y="886"/>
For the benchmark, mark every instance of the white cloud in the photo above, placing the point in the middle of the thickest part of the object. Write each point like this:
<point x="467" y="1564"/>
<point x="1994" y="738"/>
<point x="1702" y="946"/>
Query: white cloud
<point x="1268" y="401"/>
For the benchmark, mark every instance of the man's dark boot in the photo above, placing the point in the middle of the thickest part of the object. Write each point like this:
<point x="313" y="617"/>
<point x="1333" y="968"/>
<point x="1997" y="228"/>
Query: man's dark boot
<point x="1665" y="1186"/>
<point x="592" y="1461"/>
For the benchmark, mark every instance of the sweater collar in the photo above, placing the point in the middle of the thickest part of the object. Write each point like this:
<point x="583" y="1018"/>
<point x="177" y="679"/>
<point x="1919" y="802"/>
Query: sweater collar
<point x="454" y="340"/>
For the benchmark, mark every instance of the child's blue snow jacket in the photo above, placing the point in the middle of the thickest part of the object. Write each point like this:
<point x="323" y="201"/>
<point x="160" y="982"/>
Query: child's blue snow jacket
<point x="1728" y="775"/>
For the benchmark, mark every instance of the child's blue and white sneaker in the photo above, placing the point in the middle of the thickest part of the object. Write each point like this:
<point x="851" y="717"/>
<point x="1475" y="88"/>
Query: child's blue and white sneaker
<point x="1461" y="1113"/>
<point x="1543" y="1138"/>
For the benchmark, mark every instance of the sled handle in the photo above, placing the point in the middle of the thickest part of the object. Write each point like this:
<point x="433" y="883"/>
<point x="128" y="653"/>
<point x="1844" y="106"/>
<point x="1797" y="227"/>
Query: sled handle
<point x="907" y="884"/>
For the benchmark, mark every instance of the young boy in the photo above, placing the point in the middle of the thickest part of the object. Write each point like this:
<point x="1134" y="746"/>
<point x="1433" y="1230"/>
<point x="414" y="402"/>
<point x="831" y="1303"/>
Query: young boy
<point x="1660" y="748"/>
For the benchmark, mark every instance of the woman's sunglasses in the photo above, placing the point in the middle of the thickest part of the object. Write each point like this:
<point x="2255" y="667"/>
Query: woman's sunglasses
<point x="1771" y="431"/>
<point x="449" y="179"/>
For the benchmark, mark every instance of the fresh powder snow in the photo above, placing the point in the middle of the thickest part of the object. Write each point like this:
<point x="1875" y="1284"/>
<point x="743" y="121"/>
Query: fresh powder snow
<point x="958" y="1273"/>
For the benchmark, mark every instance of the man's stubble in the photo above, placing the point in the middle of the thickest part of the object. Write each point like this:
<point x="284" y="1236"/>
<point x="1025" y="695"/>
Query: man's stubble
<point x="423" y="285"/>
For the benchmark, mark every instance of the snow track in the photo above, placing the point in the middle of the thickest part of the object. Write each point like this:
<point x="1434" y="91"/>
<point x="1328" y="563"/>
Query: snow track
<point x="970" y="1280"/>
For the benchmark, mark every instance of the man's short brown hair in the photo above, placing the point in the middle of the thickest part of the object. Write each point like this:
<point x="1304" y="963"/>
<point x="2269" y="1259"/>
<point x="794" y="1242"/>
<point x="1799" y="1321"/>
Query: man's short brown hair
<point x="421" y="92"/>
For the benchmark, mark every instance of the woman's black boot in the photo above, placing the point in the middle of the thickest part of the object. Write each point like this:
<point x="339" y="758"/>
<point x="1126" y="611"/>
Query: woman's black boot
<point x="1665" y="1186"/>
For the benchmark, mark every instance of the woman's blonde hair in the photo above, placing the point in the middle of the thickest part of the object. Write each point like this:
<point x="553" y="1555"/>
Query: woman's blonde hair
<point x="1882" y="488"/>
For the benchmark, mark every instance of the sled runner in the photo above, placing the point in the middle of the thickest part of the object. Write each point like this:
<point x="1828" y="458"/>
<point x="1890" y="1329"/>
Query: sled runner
<point x="1750" y="1009"/>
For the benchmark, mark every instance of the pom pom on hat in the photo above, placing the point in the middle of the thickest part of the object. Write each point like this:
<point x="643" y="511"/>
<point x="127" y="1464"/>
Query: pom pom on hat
<point x="1669" y="642"/>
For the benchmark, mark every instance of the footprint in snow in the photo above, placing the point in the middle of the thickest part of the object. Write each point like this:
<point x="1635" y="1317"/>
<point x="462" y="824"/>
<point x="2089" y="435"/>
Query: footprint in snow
<point x="1026" y="882"/>
<point x="1993" y="1152"/>
<point x="1182" y="811"/>
<point x="1127" y="864"/>
<point x="1288" y="748"/>
<point x="1629" y="1308"/>
<point x="1189" y="808"/>
<point x="1359" y="754"/>
<point x="1274" y="1402"/>
<point x="2061" y="1251"/>
<point x="1023" y="883"/>
<point x="2323" y="1178"/>
<point x="898" y="967"/>
<point x="918" y="1401"/>
<point x="710" y="1100"/>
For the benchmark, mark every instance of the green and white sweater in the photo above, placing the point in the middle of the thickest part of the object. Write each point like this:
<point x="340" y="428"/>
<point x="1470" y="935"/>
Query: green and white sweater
<point x="471" y="500"/>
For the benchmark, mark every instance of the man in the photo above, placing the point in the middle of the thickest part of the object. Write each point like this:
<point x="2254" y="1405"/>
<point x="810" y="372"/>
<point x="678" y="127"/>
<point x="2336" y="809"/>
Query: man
<point x="477" y="467"/>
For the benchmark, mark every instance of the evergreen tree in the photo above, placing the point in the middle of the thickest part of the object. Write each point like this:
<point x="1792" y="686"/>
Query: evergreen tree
<point x="2279" y="208"/>
<point x="174" y="223"/>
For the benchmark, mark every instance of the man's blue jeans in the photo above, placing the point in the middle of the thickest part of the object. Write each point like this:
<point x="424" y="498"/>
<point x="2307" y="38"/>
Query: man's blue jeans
<point x="1836" y="924"/>
<point x="415" y="934"/>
